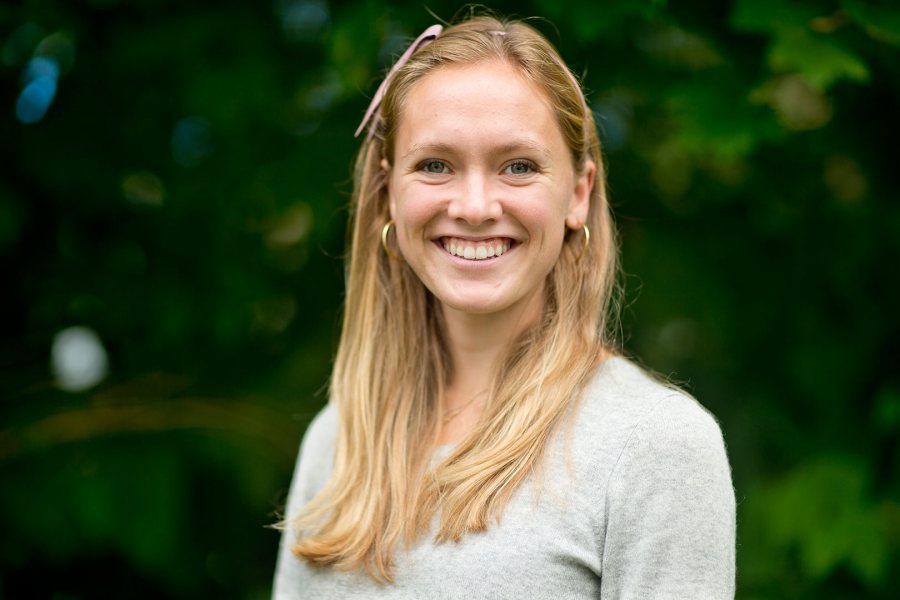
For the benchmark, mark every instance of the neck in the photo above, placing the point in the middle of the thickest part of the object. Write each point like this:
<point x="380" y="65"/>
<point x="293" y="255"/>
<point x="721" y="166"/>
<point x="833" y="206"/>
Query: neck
<point x="478" y="343"/>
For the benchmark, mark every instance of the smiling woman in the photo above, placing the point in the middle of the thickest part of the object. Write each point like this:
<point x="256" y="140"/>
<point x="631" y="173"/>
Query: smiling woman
<point x="482" y="167"/>
<point x="484" y="438"/>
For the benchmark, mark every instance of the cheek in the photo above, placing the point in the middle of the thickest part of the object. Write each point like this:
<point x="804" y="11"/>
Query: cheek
<point x="541" y="213"/>
<point x="415" y="206"/>
<point x="545" y="222"/>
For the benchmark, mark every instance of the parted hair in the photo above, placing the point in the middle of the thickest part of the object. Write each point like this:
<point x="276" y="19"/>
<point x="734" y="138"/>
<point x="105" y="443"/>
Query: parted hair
<point x="393" y="363"/>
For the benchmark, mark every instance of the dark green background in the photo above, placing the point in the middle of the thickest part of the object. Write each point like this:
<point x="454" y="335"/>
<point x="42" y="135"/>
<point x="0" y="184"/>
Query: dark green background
<point x="185" y="198"/>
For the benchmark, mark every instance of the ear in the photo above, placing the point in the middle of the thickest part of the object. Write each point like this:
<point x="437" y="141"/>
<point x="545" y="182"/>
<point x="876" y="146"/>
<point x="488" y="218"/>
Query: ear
<point x="581" y="196"/>
<point x="386" y="167"/>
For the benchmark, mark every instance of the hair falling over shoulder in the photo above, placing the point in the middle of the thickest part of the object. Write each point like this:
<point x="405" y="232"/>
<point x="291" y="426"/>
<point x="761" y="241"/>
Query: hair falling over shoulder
<point x="392" y="363"/>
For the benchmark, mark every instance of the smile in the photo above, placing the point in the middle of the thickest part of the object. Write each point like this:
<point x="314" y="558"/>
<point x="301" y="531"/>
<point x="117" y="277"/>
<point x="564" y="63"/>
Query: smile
<point x="476" y="250"/>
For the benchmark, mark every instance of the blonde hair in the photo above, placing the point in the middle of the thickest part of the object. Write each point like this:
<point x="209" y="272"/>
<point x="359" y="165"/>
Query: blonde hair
<point x="392" y="363"/>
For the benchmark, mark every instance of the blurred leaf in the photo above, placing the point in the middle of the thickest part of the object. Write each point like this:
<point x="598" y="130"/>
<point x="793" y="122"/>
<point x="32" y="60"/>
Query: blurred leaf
<point x="822" y="509"/>
<point x="819" y="59"/>
<point x="599" y="21"/>
<point x="767" y="16"/>
<point x="881" y="22"/>
<point x="667" y="43"/>
<point x="716" y="122"/>
<point x="798" y="104"/>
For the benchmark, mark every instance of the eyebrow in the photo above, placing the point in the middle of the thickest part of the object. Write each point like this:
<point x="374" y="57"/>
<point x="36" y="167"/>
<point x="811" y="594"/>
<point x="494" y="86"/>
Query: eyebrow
<point x="509" y="147"/>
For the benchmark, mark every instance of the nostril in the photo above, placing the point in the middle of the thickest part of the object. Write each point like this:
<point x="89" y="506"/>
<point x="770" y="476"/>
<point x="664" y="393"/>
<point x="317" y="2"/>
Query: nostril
<point x="474" y="210"/>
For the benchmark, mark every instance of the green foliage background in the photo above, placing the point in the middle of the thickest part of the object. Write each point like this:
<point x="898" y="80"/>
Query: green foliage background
<point x="185" y="198"/>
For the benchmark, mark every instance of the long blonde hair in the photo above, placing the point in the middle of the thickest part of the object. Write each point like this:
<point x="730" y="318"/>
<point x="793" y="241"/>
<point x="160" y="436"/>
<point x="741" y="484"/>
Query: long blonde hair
<point x="392" y="363"/>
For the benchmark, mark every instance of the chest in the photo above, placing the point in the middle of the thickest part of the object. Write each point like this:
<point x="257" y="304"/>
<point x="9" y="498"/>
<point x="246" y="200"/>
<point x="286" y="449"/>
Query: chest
<point x="543" y="547"/>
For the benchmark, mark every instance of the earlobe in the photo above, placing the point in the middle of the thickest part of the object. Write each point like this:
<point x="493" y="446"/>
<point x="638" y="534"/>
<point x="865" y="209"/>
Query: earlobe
<point x="581" y="196"/>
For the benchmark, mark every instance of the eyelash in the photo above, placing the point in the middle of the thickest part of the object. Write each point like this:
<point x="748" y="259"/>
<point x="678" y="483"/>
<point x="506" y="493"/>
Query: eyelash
<point x="524" y="163"/>
<point x="423" y="166"/>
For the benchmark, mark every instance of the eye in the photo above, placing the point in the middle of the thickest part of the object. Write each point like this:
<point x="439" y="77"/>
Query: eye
<point x="434" y="167"/>
<point x="520" y="167"/>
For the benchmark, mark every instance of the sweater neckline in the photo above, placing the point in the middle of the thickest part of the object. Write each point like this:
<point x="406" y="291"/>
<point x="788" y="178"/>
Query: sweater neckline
<point x="443" y="450"/>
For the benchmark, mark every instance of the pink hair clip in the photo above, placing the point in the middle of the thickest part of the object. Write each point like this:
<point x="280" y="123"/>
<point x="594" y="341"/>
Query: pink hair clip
<point x="428" y="36"/>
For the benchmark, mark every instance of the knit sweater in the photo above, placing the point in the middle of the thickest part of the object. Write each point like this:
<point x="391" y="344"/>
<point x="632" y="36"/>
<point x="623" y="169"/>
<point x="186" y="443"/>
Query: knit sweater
<point x="635" y="501"/>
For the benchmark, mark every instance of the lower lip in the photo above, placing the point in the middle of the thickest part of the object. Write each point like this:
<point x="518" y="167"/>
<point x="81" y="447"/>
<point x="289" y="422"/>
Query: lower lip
<point x="476" y="264"/>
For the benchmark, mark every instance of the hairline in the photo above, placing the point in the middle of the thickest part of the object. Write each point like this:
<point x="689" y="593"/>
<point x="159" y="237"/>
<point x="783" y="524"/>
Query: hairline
<point x="517" y="67"/>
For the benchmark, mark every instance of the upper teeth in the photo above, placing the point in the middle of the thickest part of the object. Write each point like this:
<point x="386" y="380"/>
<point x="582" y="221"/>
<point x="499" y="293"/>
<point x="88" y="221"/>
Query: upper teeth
<point x="475" y="250"/>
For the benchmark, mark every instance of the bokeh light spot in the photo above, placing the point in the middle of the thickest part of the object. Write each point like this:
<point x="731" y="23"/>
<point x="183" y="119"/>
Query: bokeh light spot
<point x="303" y="20"/>
<point x="35" y="99"/>
<point x="191" y="141"/>
<point x="845" y="179"/>
<point x="41" y="67"/>
<point x="678" y="338"/>
<point x="292" y="227"/>
<point x="143" y="188"/>
<point x="273" y="315"/>
<point x="798" y="104"/>
<point x="311" y="102"/>
<point x="613" y="117"/>
<point x="60" y="48"/>
<point x="78" y="359"/>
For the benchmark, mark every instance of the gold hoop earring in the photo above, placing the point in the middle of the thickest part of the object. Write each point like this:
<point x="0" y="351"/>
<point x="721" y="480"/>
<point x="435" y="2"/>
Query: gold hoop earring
<point x="384" y="242"/>
<point x="587" y="241"/>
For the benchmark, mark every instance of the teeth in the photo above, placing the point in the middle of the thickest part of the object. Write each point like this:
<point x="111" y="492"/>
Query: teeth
<point x="475" y="250"/>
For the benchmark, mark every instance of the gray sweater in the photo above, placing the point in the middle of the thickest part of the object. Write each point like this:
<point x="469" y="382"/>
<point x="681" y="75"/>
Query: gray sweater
<point x="636" y="502"/>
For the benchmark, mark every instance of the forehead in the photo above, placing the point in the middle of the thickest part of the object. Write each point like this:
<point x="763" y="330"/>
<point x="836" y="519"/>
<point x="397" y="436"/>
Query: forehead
<point x="473" y="104"/>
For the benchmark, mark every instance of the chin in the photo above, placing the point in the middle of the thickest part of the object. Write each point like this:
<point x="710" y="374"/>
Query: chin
<point x="485" y="303"/>
<point x="473" y="306"/>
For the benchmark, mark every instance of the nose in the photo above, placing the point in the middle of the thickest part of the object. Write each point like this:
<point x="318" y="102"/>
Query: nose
<point x="474" y="201"/>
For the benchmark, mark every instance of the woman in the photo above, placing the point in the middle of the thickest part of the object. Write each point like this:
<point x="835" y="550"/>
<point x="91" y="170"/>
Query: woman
<point x="483" y="439"/>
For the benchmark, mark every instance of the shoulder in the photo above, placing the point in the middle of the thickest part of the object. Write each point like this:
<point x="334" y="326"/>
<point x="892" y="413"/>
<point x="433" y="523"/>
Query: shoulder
<point x="668" y="508"/>
<point x="322" y="430"/>
<point x="315" y="459"/>
<point x="632" y="433"/>
<point x="623" y="402"/>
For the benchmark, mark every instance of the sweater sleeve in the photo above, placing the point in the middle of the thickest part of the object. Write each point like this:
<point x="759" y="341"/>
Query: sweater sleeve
<point x="670" y="530"/>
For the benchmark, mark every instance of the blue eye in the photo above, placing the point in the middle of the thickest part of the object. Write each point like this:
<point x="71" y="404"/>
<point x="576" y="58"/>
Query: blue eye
<point x="434" y="167"/>
<point x="520" y="167"/>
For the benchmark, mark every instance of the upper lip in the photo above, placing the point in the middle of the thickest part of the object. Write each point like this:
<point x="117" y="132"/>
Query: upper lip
<point x="477" y="238"/>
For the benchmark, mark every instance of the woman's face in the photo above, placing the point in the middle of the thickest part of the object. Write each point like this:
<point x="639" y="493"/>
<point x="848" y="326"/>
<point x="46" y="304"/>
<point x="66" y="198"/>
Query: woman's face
<point x="482" y="186"/>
